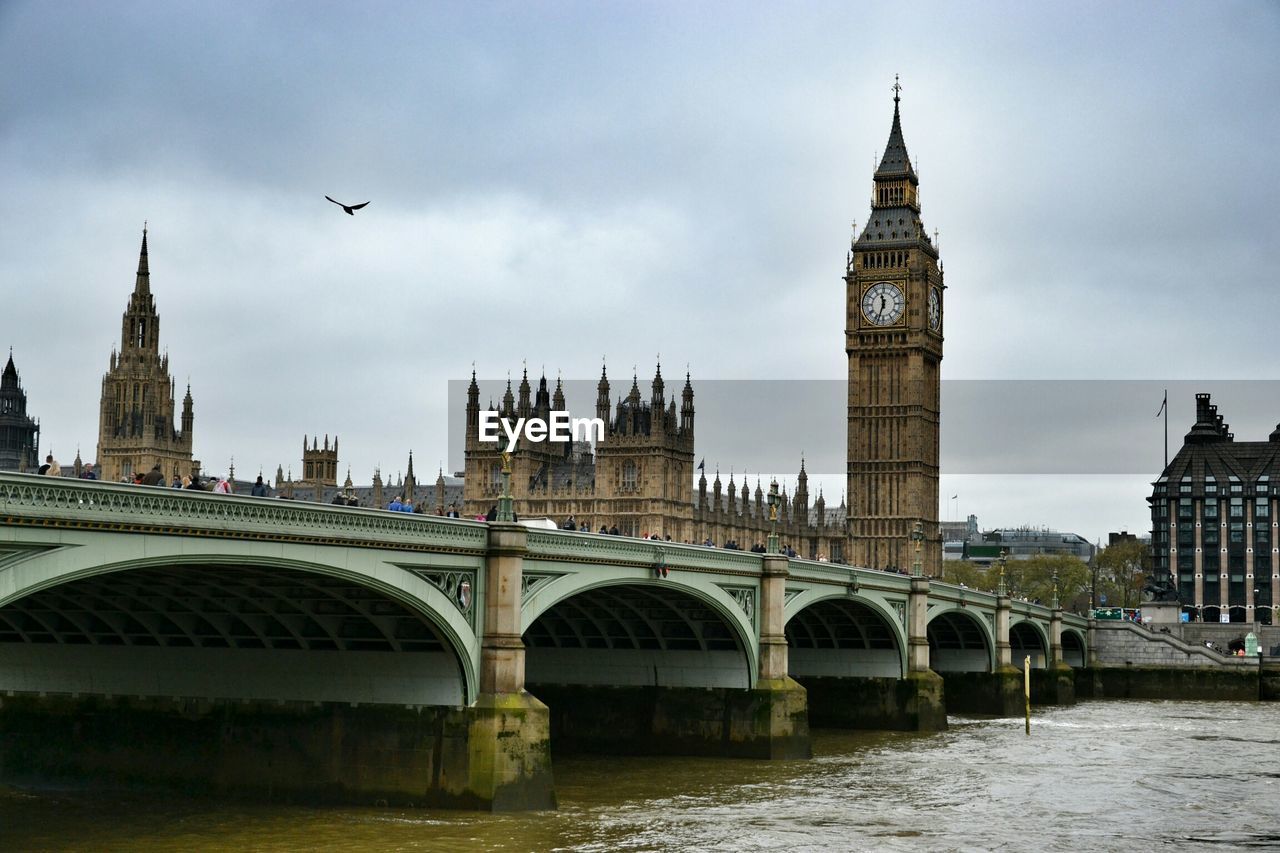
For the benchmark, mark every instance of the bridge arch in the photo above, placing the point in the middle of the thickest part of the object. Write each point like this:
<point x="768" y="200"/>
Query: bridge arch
<point x="638" y="630"/>
<point x="1027" y="638"/>
<point x="164" y="616"/>
<point x="960" y="641"/>
<point x="1073" y="649"/>
<point x="840" y="635"/>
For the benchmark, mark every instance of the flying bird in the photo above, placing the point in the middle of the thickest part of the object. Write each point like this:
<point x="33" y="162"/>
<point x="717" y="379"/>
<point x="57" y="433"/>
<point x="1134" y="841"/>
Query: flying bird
<point x="349" y="208"/>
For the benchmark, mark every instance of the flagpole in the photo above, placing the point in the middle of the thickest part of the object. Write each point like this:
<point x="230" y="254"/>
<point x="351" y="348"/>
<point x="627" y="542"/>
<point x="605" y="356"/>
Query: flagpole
<point x="1166" y="427"/>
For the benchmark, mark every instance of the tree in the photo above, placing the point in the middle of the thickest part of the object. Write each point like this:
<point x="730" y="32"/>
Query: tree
<point x="1032" y="579"/>
<point x="1122" y="572"/>
<point x="965" y="573"/>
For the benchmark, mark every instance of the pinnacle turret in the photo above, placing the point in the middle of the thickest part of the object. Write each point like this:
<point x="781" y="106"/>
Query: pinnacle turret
<point x="9" y="380"/>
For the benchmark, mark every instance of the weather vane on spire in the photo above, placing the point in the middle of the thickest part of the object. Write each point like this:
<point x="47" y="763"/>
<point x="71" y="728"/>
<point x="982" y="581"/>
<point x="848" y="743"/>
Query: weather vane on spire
<point x="897" y="88"/>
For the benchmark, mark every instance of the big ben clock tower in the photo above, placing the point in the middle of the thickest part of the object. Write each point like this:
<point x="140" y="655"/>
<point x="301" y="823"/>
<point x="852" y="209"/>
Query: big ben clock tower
<point x="893" y="337"/>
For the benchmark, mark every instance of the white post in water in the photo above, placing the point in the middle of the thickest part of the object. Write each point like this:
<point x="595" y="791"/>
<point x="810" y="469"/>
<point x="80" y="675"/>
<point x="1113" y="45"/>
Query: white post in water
<point x="1026" y="688"/>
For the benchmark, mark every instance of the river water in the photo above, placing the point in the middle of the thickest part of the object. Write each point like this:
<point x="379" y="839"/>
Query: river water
<point x="1096" y="776"/>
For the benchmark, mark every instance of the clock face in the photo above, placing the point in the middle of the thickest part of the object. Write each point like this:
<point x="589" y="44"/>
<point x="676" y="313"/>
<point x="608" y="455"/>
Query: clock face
<point x="883" y="303"/>
<point x="935" y="309"/>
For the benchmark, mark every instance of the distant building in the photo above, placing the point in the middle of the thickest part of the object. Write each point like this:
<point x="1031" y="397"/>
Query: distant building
<point x="959" y="530"/>
<point x="954" y="536"/>
<point x="962" y="541"/>
<point x="19" y="433"/>
<point x="320" y="485"/>
<point x="136" y="424"/>
<point x="1213" y="522"/>
<point x="1123" y="536"/>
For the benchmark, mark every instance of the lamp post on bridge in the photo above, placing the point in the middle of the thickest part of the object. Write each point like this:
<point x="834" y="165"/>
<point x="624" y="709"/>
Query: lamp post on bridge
<point x="917" y="536"/>
<point x="773" y="500"/>
<point x="506" y="506"/>
<point x="1004" y="613"/>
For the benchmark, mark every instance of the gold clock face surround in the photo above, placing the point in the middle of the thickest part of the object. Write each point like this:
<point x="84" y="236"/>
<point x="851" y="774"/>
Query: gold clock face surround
<point x="883" y="303"/>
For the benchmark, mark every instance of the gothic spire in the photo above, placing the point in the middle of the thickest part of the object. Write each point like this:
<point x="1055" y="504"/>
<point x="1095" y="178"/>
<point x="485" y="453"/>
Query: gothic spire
<point x="10" y="378"/>
<point x="143" y="283"/>
<point x="557" y="398"/>
<point x="895" y="163"/>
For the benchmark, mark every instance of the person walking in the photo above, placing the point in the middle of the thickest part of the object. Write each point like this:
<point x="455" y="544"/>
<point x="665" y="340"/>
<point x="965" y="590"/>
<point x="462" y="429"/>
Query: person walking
<point x="259" y="489"/>
<point x="87" y="472"/>
<point x="222" y="487"/>
<point x="154" y="477"/>
<point x="51" y="468"/>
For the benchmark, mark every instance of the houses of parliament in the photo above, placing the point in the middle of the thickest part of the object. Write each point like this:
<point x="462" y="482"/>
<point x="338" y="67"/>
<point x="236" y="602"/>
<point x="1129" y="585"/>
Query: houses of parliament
<point x="640" y="477"/>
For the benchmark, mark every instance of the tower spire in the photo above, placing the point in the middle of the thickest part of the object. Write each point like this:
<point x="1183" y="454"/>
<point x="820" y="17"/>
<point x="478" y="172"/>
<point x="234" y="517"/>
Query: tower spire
<point x="896" y="163"/>
<point x="143" y="283"/>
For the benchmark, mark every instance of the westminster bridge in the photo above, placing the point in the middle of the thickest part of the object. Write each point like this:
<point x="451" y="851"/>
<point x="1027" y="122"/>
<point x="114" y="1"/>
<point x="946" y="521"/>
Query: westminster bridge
<point x="248" y="644"/>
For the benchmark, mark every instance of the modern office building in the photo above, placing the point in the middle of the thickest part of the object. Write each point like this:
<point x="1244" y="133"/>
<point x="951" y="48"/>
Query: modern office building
<point x="1213" y="523"/>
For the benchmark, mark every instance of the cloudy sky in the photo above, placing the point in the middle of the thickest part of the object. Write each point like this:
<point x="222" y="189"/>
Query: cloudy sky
<point x="561" y="182"/>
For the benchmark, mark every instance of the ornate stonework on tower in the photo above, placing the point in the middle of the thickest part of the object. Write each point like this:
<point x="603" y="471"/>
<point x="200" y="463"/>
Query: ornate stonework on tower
<point x="136" y="425"/>
<point x="893" y="339"/>
<point x="320" y="463"/>
<point x="19" y="434"/>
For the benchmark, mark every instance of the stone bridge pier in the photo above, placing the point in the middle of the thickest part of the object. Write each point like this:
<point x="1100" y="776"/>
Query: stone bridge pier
<point x="509" y="731"/>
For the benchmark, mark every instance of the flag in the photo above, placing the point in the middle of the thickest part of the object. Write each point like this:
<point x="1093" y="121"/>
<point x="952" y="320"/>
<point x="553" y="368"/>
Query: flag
<point x="702" y="466"/>
<point x="1164" y="406"/>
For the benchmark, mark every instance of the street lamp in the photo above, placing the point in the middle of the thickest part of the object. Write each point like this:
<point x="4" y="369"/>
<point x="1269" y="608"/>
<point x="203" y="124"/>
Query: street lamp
<point x="1053" y="602"/>
<point x="1000" y="588"/>
<point x="774" y="500"/>
<point x="917" y="536"/>
<point x="506" y="506"/>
